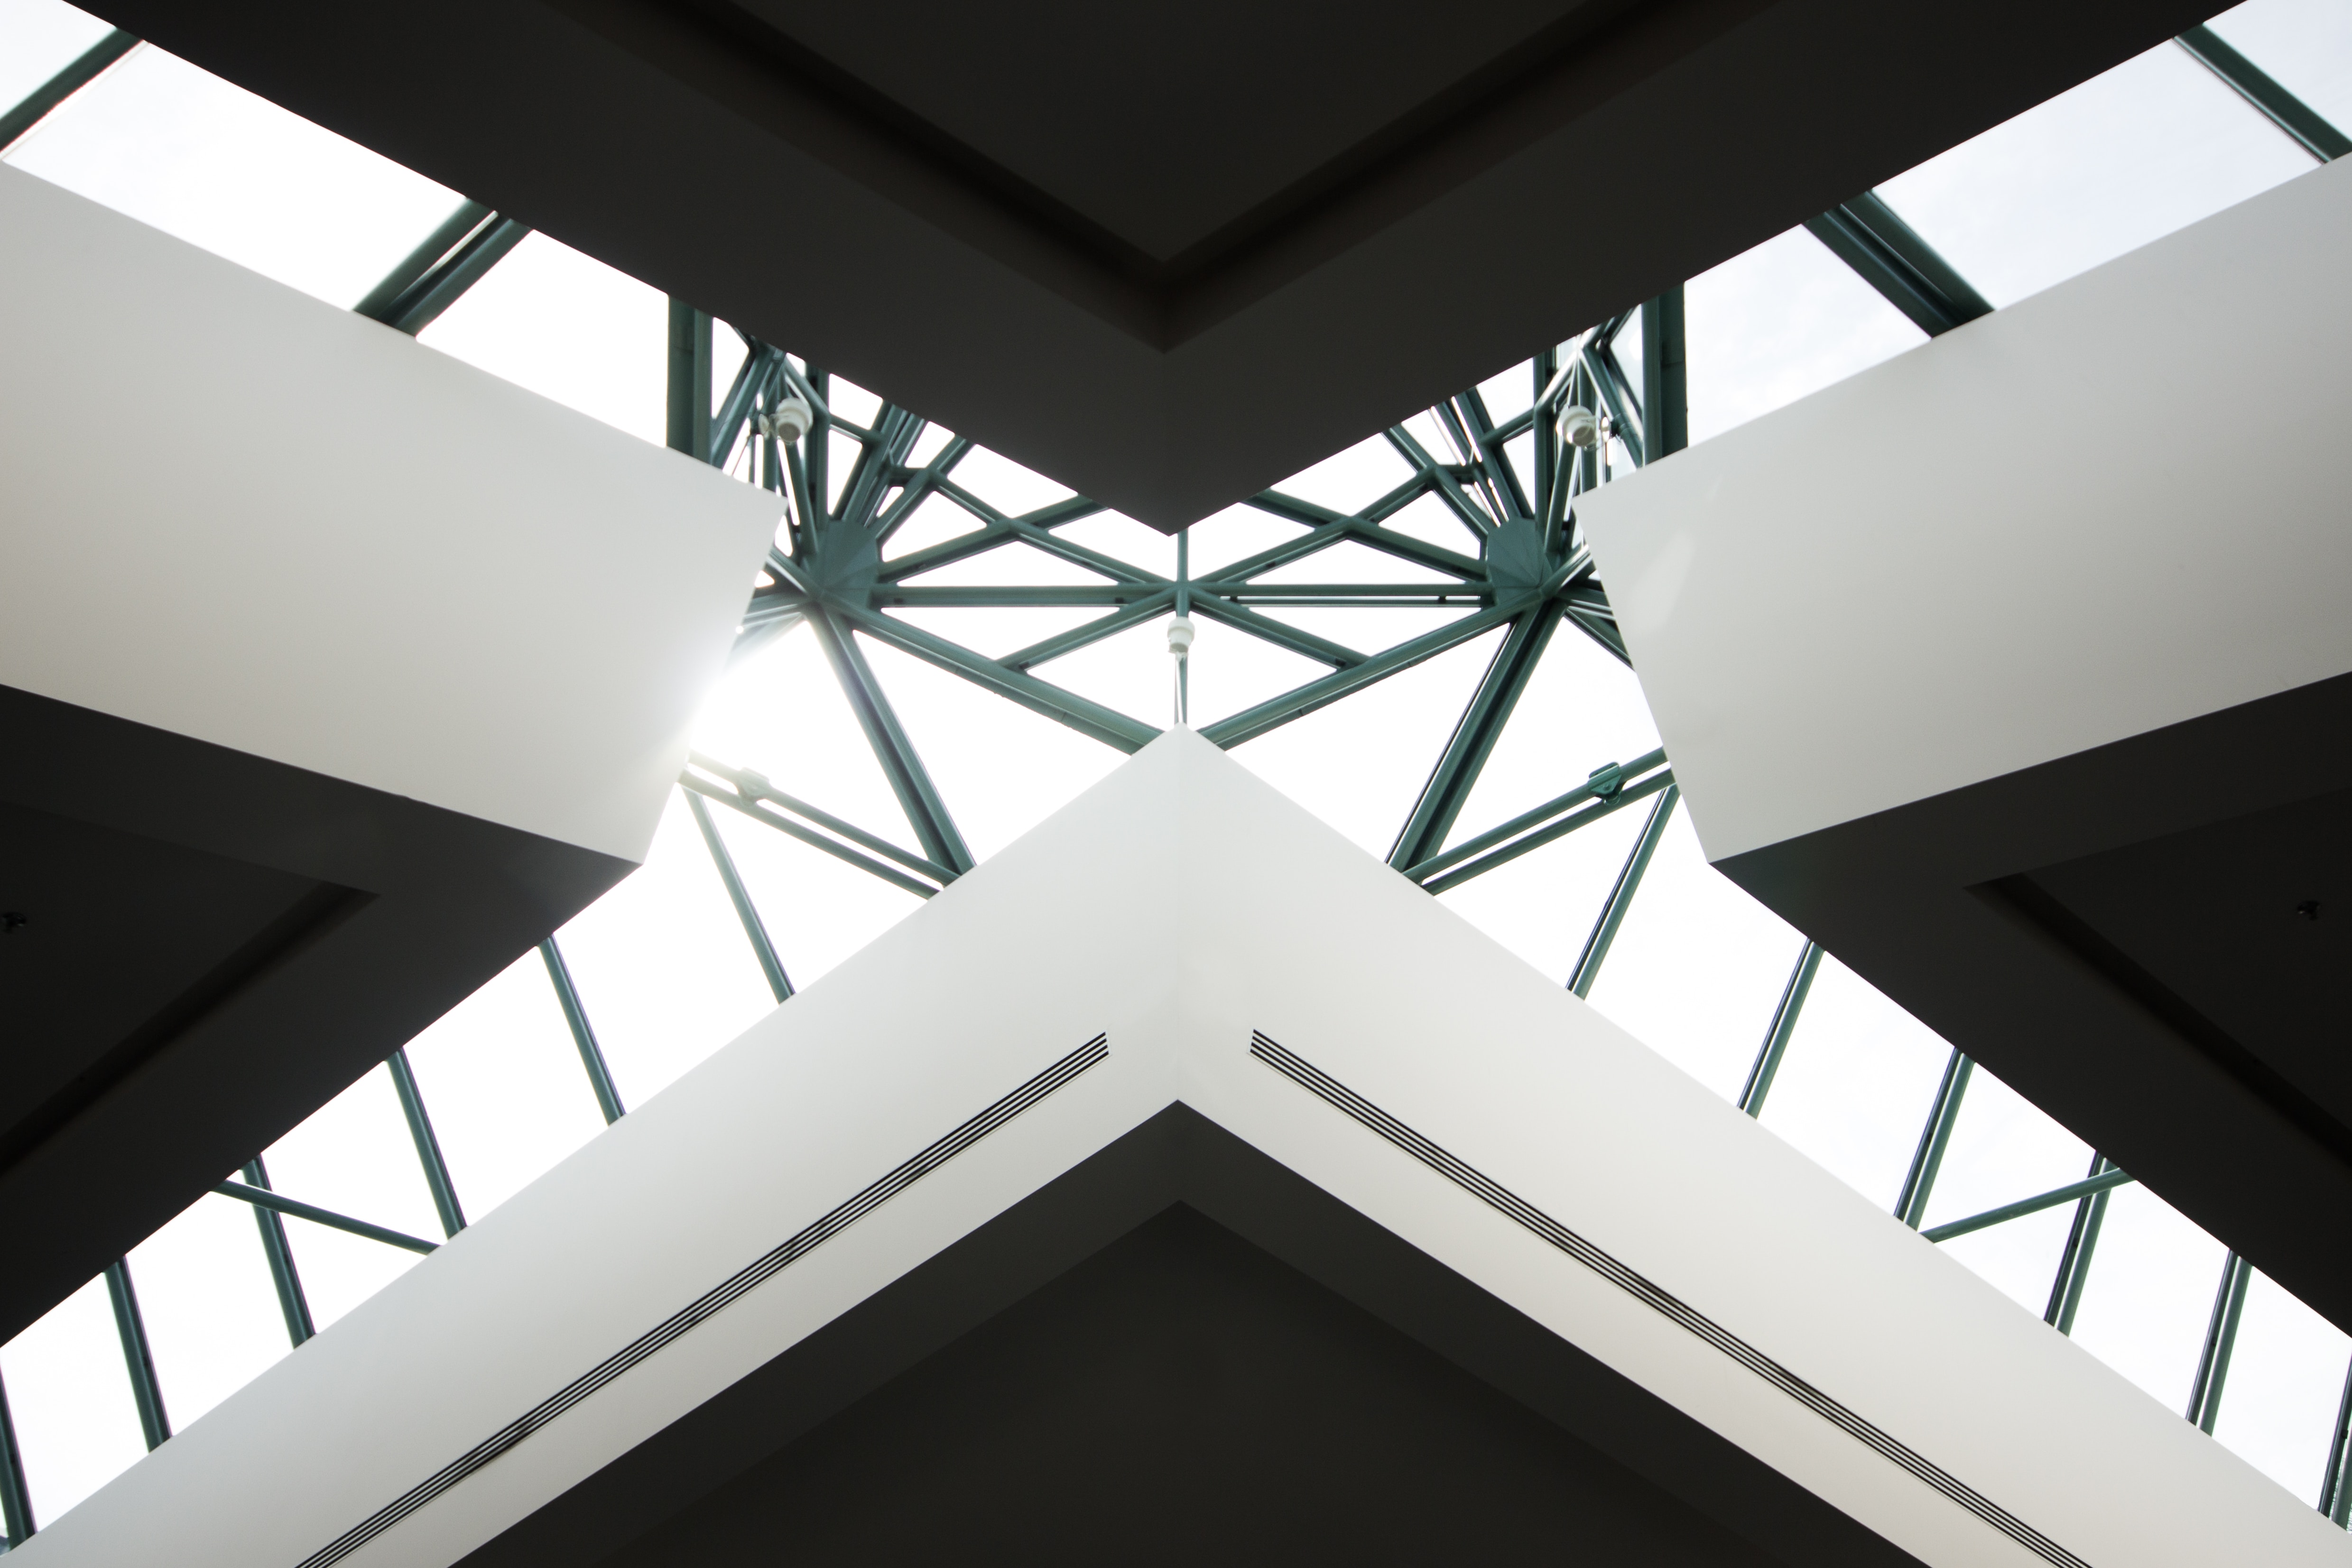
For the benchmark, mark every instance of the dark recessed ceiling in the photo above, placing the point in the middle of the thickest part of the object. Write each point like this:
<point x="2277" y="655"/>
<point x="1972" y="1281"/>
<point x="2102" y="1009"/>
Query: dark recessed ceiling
<point x="1183" y="1398"/>
<point x="1168" y="255"/>
<point x="1181" y="1351"/>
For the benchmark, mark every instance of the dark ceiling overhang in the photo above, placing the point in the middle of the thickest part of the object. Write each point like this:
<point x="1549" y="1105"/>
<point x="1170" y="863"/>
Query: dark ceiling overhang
<point x="1170" y="255"/>
<point x="212" y="946"/>
<point x="1180" y="1347"/>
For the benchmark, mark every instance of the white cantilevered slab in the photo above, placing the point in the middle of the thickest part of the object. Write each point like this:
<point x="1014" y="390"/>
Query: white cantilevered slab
<point x="2115" y="506"/>
<point x="239" y="514"/>
<point x="1176" y="969"/>
<point x="2015" y="672"/>
<point x="333" y="674"/>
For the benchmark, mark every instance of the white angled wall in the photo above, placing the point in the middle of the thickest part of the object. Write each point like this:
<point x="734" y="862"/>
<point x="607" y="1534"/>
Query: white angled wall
<point x="2117" y="505"/>
<point x="1344" y="963"/>
<point x="232" y="511"/>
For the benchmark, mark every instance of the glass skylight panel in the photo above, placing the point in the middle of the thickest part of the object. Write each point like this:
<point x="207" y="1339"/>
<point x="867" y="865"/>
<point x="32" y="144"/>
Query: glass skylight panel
<point x="2281" y="1397"/>
<point x="1778" y="323"/>
<point x="1360" y="764"/>
<point x="43" y="38"/>
<point x="2126" y="158"/>
<point x="2003" y="1147"/>
<point x="354" y="1156"/>
<point x="818" y="910"/>
<point x="1351" y="478"/>
<point x="663" y="969"/>
<point x="568" y="328"/>
<point x="2150" y="1295"/>
<point x="1003" y="768"/>
<point x="211" y="1313"/>
<point x="2305" y="46"/>
<point x="1857" y="1082"/>
<point x="779" y="712"/>
<point x="75" y="1425"/>
<point x="502" y="1077"/>
<point x="184" y="150"/>
<point x="1697" y="964"/>
<point x="1542" y="905"/>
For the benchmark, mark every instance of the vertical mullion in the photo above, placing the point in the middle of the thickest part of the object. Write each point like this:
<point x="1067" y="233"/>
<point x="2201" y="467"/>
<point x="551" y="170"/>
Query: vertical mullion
<point x="15" y="1497"/>
<point x="137" y="1357"/>
<point x="1665" y="376"/>
<point x="592" y="1055"/>
<point x="689" y="380"/>
<point x="741" y="896"/>
<point x="274" y="1247"/>
<point x="2220" y="1339"/>
<point x="428" y="1147"/>
<point x="1781" y="1029"/>
<point x="1928" y="1158"/>
<point x="2334" y="1497"/>
<point x="2074" y="1263"/>
<point x="1621" y="895"/>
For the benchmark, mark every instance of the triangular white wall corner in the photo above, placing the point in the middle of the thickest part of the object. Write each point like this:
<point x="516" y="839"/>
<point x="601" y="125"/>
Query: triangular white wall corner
<point x="1176" y="911"/>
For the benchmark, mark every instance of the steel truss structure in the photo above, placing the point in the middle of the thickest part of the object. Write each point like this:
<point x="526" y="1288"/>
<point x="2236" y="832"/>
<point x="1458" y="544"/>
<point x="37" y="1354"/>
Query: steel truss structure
<point x="1520" y="568"/>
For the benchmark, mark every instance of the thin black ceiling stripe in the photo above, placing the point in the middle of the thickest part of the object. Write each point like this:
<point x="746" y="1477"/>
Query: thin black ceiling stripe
<point x="714" y="1300"/>
<point x="1519" y="1211"/>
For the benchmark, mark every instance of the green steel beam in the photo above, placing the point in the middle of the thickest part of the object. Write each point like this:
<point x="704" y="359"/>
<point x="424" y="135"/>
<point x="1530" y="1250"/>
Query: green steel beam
<point x="1665" y="377"/>
<point x="1091" y="718"/>
<point x="754" y="930"/>
<point x="584" y="1036"/>
<point x="138" y="1356"/>
<point x="752" y="807"/>
<point x="1557" y="830"/>
<point x="1299" y="702"/>
<point x="1155" y="605"/>
<point x="1606" y="784"/>
<point x="43" y="100"/>
<point x="1267" y="629"/>
<point x="428" y="1147"/>
<point x="2050" y="1200"/>
<point x="2334" y="1496"/>
<point x="419" y="302"/>
<point x="279" y="1203"/>
<point x="688" y="381"/>
<point x="1448" y="786"/>
<point x="1783" y="1028"/>
<point x="926" y="813"/>
<point x="1943" y="1115"/>
<point x="2301" y="123"/>
<point x="1888" y="254"/>
<point x="469" y="217"/>
<point x="2082" y="1244"/>
<point x="2220" y="1339"/>
<point x="15" y="1497"/>
<point x="1621" y="895"/>
<point x="1441" y="479"/>
<point x="291" y="1303"/>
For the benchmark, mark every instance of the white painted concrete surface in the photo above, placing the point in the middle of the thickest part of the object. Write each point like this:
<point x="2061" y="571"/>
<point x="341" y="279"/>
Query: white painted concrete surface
<point x="2115" y="506"/>
<point x="230" y="510"/>
<point x="1234" y="910"/>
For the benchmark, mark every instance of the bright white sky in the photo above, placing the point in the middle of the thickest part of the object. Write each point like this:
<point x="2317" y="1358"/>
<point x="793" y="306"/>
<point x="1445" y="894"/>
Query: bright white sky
<point x="663" y="965"/>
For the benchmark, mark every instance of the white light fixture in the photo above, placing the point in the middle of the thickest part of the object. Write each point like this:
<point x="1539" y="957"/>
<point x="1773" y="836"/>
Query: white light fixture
<point x="788" y="421"/>
<point x="1578" y="427"/>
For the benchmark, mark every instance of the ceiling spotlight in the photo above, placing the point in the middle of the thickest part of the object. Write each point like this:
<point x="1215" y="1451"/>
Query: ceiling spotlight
<point x="789" y="420"/>
<point x="1578" y="427"/>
